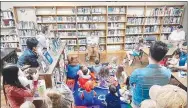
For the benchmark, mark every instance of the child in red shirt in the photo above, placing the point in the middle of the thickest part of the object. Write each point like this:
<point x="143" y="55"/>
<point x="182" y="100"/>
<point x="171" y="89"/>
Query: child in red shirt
<point x="84" y="76"/>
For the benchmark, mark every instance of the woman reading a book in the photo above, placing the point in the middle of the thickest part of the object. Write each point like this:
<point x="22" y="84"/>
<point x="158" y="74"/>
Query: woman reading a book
<point x="15" y="93"/>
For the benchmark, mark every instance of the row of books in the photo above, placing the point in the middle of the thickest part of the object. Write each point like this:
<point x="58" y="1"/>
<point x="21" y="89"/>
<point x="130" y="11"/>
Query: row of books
<point x="26" y="25"/>
<point x="166" y="11"/>
<point x="115" y="25"/>
<point x="7" y="23"/>
<point x="132" y="39"/>
<point x="7" y="15"/>
<point x="85" y="10"/>
<point x="71" y="48"/>
<point x="9" y="45"/>
<point x="66" y="26"/>
<point x="114" y="39"/>
<point x="113" y="47"/>
<point x="98" y="18"/>
<point x="88" y="26"/>
<point x="102" y="40"/>
<point x="82" y="48"/>
<point x="129" y="46"/>
<point x="133" y="30"/>
<point x="155" y="20"/>
<point x="114" y="32"/>
<point x="82" y="41"/>
<point x="172" y="20"/>
<point x="46" y="19"/>
<point x="151" y="29"/>
<point x="67" y="33"/>
<point x="71" y="42"/>
<point x="168" y="29"/>
<point x="136" y="21"/>
<point x="27" y="33"/>
<point x="9" y="38"/>
<point x="116" y="9"/>
<point x="115" y="18"/>
<point x="101" y="48"/>
<point x="91" y="33"/>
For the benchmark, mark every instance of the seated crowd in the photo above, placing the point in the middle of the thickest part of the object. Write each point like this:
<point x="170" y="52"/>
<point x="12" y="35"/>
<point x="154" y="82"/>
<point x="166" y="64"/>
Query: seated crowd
<point x="145" y="87"/>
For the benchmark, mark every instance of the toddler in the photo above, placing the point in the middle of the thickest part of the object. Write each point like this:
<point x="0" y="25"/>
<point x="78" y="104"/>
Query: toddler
<point x="174" y="60"/>
<point x="103" y="77"/>
<point x="120" y="75"/>
<point x="113" y="66"/>
<point x="84" y="75"/>
<point x="97" y="66"/>
<point x="112" y="98"/>
<point x="88" y="94"/>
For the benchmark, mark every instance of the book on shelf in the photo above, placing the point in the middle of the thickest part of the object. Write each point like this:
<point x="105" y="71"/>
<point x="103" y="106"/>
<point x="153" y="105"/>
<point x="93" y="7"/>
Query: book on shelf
<point x="97" y="10"/>
<point x="172" y="20"/>
<point x="132" y="39"/>
<point x="114" y="32"/>
<point x="114" y="39"/>
<point x="6" y="23"/>
<point x="13" y="38"/>
<point x="166" y="11"/>
<point x="48" y="56"/>
<point x="113" y="47"/>
<point x="7" y="15"/>
<point x="151" y="29"/>
<point x="26" y="25"/>
<point x="9" y="45"/>
<point x="84" y="19"/>
<point x="84" y="10"/>
<point x="115" y="18"/>
<point x="135" y="21"/>
<point x="66" y="26"/>
<point x="133" y="30"/>
<point x="168" y="29"/>
<point x="116" y="9"/>
<point x="82" y="41"/>
<point x="115" y="25"/>
<point x="152" y="21"/>
<point x="90" y="33"/>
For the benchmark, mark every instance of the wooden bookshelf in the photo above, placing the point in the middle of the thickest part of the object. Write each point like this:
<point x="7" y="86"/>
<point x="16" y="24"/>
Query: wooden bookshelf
<point x="112" y="15"/>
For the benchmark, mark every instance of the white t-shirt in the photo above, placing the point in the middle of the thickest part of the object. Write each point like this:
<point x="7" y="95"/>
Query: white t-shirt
<point x="23" y="80"/>
<point x="177" y="36"/>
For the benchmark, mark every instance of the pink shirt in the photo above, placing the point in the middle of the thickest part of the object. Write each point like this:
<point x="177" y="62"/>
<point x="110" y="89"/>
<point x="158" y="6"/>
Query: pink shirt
<point x="16" y="96"/>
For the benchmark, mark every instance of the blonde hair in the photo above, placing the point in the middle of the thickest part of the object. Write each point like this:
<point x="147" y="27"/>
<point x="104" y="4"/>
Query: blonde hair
<point x="27" y="104"/>
<point x="57" y="99"/>
<point x="148" y="103"/>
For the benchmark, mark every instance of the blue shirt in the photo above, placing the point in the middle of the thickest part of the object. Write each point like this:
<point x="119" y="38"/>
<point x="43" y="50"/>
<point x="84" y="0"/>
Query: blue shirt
<point x="113" y="101"/>
<point x="88" y="97"/>
<point x="72" y="71"/>
<point x="28" y="58"/>
<point x="146" y="77"/>
<point x="97" y="68"/>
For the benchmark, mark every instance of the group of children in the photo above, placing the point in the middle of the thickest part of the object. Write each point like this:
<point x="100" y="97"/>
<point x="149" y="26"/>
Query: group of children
<point x="108" y="75"/>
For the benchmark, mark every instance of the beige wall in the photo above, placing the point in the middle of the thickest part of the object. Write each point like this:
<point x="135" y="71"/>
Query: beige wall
<point x="7" y="5"/>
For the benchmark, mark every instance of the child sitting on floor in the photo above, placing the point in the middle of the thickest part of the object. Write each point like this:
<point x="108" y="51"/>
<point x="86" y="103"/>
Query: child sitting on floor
<point x="97" y="67"/>
<point x="88" y="94"/>
<point x="112" y="99"/>
<point x="84" y="75"/>
<point x="120" y="75"/>
<point x="103" y="77"/>
<point x="113" y="66"/>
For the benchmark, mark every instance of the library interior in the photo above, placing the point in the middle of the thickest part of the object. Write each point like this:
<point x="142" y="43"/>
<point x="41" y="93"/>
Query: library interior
<point x="94" y="54"/>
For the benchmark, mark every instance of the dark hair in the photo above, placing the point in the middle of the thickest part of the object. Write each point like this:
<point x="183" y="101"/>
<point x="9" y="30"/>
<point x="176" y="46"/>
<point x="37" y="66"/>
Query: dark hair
<point x="44" y="29"/>
<point x="180" y="26"/>
<point x="177" y="52"/>
<point x="104" y="72"/>
<point x="158" y="50"/>
<point x="112" y="89"/>
<point x="85" y="71"/>
<point x="10" y="76"/>
<point x="97" y="61"/>
<point x="119" y="71"/>
<point x="32" y="42"/>
<point x="141" y="40"/>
